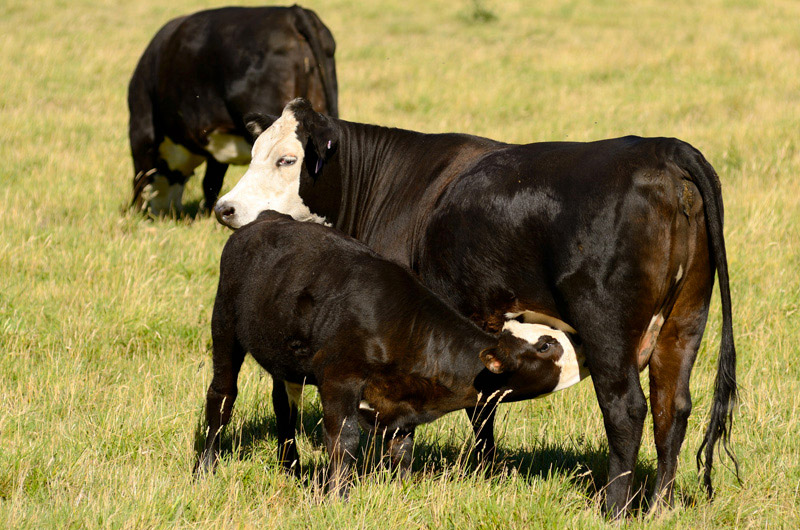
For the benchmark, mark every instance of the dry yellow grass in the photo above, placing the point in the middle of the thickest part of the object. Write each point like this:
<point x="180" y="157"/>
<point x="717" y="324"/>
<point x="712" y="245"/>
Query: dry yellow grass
<point x="104" y="316"/>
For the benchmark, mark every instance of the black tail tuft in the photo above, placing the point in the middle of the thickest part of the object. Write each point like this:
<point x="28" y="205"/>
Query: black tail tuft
<point x="719" y="427"/>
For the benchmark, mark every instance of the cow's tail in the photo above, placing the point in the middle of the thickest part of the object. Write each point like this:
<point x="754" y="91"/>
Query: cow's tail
<point x="725" y="393"/>
<point x="323" y="47"/>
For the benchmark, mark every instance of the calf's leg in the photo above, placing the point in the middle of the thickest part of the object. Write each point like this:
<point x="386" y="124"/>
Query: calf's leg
<point x="482" y="420"/>
<point x="228" y="358"/>
<point x="286" y="419"/>
<point x="400" y="452"/>
<point x="340" y="423"/>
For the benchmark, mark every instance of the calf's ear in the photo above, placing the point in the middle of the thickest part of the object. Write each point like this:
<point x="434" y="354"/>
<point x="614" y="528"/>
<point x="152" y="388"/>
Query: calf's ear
<point x="257" y="123"/>
<point x="494" y="360"/>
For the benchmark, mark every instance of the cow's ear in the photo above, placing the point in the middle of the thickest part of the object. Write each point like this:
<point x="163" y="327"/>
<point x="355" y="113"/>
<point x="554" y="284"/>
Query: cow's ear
<point x="257" y="123"/>
<point x="325" y="141"/>
<point x="322" y="144"/>
<point x="491" y="358"/>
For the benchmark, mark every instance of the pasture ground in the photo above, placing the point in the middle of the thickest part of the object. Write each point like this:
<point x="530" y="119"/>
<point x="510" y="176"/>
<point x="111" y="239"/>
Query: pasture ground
<point x="104" y="316"/>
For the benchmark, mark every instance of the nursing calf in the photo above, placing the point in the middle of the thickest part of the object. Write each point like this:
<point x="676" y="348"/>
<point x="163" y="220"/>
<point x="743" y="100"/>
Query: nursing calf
<point x="313" y="305"/>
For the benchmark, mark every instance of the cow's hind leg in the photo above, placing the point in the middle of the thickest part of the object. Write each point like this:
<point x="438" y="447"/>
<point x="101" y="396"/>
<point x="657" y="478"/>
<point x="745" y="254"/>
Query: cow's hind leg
<point x="611" y="359"/>
<point x="228" y="358"/>
<point x="670" y="367"/>
<point x="624" y="409"/>
<point x="285" y="400"/>
<point x="212" y="182"/>
<point x="671" y="402"/>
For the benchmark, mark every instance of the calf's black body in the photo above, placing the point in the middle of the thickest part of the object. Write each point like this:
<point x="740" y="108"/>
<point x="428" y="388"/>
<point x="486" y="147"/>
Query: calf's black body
<point x="315" y="306"/>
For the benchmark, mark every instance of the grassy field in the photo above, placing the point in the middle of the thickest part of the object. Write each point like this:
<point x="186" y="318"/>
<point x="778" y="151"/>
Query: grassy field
<point x="104" y="316"/>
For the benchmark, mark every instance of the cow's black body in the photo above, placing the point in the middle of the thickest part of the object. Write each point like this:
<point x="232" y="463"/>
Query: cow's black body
<point x="312" y="305"/>
<point x="203" y="72"/>
<point x="618" y="238"/>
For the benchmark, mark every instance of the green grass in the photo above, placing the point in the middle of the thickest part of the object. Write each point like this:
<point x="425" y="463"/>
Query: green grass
<point x="104" y="316"/>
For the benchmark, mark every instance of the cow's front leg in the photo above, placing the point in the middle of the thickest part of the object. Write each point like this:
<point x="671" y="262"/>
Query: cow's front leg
<point x="340" y="423"/>
<point x="212" y="182"/>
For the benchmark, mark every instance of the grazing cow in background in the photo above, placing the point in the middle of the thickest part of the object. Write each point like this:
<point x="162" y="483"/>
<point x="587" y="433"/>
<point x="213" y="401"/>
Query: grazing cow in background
<point x="201" y="74"/>
<point x="313" y="305"/>
<point x="617" y="239"/>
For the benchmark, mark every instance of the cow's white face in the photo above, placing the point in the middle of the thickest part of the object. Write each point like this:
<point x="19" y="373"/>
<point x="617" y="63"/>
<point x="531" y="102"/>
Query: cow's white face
<point x="272" y="181"/>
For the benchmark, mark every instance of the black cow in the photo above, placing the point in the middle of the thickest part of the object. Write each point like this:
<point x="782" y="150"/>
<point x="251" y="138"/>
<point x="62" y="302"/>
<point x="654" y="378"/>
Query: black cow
<point x="618" y="238"/>
<point x="313" y="305"/>
<point x="201" y="74"/>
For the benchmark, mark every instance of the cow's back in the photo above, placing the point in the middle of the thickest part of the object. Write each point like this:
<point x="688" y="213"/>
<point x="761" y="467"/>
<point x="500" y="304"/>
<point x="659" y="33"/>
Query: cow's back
<point x="217" y="65"/>
<point x="537" y="215"/>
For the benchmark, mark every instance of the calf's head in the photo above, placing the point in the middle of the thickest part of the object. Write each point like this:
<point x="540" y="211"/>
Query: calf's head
<point x="534" y="359"/>
<point x="286" y="150"/>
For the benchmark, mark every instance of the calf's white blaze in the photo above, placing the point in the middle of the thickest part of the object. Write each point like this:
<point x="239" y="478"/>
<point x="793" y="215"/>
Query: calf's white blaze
<point x="571" y="362"/>
<point x="267" y="185"/>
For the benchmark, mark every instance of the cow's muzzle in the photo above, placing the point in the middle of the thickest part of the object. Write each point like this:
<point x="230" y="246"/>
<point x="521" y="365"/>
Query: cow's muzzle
<point x="226" y="214"/>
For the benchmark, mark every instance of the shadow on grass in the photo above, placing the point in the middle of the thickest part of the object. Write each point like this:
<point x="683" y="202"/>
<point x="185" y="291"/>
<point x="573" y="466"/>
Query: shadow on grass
<point x="194" y="210"/>
<point x="583" y="465"/>
<point x="241" y="441"/>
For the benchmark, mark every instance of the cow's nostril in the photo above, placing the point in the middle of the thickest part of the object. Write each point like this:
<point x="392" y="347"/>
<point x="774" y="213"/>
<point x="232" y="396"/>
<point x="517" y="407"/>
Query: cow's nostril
<point x="224" y="212"/>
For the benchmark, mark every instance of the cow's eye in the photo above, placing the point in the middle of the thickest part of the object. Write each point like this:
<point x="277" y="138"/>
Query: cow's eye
<point x="286" y="161"/>
<point x="544" y="347"/>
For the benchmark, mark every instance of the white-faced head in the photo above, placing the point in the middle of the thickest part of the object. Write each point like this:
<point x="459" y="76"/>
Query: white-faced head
<point x="272" y="182"/>
<point x="569" y="359"/>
